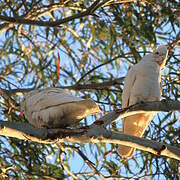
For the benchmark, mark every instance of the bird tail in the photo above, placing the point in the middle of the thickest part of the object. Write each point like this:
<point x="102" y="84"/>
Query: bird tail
<point x="134" y="125"/>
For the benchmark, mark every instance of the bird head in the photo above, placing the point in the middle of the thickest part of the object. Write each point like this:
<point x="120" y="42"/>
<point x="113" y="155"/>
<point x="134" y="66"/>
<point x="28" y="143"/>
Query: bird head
<point x="161" y="55"/>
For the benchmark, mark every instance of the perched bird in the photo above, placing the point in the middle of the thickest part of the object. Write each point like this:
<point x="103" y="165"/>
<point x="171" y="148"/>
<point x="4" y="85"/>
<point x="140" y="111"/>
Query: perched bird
<point x="55" y="108"/>
<point x="142" y="84"/>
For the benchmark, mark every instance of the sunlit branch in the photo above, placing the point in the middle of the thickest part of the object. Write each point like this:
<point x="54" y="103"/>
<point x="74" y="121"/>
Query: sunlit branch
<point x="154" y="106"/>
<point x="96" y="133"/>
<point x="66" y="168"/>
<point x="4" y="27"/>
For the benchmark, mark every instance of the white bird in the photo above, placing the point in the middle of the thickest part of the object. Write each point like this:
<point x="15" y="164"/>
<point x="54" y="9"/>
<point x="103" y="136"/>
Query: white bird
<point x="142" y="84"/>
<point x="55" y="108"/>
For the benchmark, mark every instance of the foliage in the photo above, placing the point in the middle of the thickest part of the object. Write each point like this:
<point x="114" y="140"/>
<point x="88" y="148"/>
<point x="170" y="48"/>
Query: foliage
<point x="116" y="35"/>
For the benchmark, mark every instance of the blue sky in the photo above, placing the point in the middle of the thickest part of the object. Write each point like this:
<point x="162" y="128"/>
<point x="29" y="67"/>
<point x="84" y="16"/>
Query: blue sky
<point x="76" y="162"/>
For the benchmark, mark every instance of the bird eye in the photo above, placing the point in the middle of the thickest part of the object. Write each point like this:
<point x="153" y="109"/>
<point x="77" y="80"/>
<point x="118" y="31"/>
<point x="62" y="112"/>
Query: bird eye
<point x="157" y="53"/>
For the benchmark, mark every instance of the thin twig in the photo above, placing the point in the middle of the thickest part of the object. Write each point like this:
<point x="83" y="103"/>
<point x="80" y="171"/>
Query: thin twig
<point x="11" y="102"/>
<point x="89" y="163"/>
<point x="66" y="168"/>
<point x="93" y="69"/>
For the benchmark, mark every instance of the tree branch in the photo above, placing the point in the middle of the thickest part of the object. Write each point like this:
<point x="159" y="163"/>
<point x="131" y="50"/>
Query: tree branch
<point x="19" y="20"/>
<point x="154" y="106"/>
<point x="9" y="100"/>
<point x="96" y="133"/>
<point x="100" y="65"/>
<point x="101" y="85"/>
<point x="76" y="86"/>
<point x="89" y="163"/>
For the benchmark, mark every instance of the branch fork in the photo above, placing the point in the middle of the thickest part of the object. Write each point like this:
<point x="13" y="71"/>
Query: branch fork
<point x="97" y="132"/>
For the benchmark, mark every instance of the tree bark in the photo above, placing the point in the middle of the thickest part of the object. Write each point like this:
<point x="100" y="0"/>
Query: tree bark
<point x="97" y="132"/>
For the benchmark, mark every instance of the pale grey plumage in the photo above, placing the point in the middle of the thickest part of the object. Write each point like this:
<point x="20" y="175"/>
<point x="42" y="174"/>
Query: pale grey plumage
<point x="55" y="107"/>
<point x="142" y="84"/>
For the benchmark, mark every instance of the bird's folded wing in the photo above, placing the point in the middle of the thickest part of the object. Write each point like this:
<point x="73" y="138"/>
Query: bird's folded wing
<point x="128" y="84"/>
<point x="42" y="99"/>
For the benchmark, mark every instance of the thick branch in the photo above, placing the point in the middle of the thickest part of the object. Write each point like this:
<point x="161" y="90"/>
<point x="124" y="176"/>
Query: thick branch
<point x="154" y="106"/>
<point x="96" y="133"/>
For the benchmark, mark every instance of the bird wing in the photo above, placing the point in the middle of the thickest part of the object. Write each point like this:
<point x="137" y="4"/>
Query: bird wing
<point x="54" y="107"/>
<point x="128" y="84"/>
<point x="135" y="125"/>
